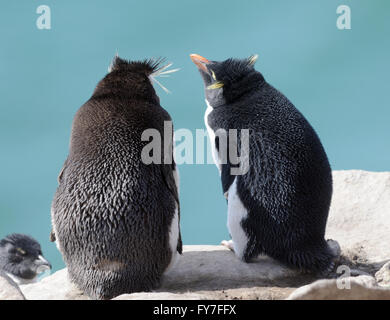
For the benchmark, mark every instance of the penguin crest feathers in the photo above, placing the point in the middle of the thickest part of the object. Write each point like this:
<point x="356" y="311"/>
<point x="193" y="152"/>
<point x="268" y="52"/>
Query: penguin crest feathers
<point x="153" y="68"/>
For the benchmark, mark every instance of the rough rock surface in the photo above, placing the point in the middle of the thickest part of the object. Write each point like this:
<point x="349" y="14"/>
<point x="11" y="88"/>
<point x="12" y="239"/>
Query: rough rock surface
<point x="359" y="217"/>
<point x="9" y="290"/>
<point x="348" y="288"/>
<point x="159" y="296"/>
<point x="54" y="287"/>
<point x="203" y="272"/>
<point x="383" y="275"/>
<point x="359" y="220"/>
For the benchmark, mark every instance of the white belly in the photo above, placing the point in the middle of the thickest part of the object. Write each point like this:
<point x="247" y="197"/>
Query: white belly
<point x="212" y="137"/>
<point x="174" y="227"/>
<point x="236" y="213"/>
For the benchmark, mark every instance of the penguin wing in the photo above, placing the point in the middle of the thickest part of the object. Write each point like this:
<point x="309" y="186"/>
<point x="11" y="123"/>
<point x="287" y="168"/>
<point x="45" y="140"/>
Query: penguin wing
<point x="52" y="236"/>
<point x="179" y="244"/>
<point x="167" y="173"/>
<point x="226" y="177"/>
<point x="59" y="178"/>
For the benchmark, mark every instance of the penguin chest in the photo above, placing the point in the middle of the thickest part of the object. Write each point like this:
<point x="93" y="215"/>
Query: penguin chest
<point x="211" y="133"/>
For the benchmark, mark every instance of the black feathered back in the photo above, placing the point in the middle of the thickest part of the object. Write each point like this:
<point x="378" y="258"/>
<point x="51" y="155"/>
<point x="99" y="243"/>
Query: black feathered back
<point x="288" y="188"/>
<point x="111" y="212"/>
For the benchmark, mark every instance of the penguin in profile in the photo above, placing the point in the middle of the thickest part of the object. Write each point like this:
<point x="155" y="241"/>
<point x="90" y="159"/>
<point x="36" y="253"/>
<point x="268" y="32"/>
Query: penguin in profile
<point x="279" y="205"/>
<point x="21" y="258"/>
<point x="115" y="218"/>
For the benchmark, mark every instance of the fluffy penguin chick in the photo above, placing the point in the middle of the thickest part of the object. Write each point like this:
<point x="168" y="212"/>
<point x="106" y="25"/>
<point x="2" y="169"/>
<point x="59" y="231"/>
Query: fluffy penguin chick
<point x="116" y="219"/>
<point x="279" y="207"/>
<point x="21" y="258"/>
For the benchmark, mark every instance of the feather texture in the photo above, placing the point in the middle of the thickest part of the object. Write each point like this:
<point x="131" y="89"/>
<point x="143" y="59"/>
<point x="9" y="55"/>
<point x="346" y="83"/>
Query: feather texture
<point x="162" y="72"/>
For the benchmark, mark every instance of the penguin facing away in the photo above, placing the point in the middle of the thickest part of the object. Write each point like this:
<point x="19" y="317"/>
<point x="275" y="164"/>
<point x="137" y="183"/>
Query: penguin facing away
<point x="115" y="219"/>
<point x="279" y="207"/>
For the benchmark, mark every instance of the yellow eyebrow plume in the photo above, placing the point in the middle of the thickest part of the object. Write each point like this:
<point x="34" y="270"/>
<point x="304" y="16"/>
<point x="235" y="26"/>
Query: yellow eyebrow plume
<point x="252" y="59"/>
<point x="213" y="75"/>
<point x="216" y="85"/>
<point x="21" y="251"/>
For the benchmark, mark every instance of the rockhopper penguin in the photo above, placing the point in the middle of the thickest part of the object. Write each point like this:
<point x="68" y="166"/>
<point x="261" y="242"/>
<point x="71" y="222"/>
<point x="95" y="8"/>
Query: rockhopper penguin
<point x="279" y="207"/>
<point x="116" y="219"/>
<point x="21" y="258"/>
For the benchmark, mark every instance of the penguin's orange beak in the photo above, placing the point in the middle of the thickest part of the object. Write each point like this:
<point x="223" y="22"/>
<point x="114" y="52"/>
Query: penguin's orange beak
<point x="199" y="61"/>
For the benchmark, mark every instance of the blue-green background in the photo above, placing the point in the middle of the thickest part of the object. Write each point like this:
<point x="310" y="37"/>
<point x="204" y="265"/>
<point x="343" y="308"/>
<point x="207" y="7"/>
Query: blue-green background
<point x="338" y="79"/>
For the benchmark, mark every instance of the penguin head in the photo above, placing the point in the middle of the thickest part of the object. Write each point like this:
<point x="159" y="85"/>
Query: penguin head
<point x="137" y="69"/>
<point x="21" y="257"/>
<point x="227" y="80"/>
<point x="134" y="77"/>
<point x="131" y="77"/>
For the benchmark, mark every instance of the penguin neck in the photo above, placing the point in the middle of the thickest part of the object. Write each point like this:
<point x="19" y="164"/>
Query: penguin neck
<point x="111" y="86"/>
<point x="244" y="87"/>
<point x="123" y="92"/>
<point x="215" y="98"/>
<point x="235" y="91"/>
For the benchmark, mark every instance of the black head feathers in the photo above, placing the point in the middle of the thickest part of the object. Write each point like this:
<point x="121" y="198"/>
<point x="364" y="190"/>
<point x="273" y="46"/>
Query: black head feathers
<point x="21" y="258"/>
<point x="146" y="66"/>
<point x="133" y="78"/>
<point x="23" y="242"/>
<point x="231" y="77"/>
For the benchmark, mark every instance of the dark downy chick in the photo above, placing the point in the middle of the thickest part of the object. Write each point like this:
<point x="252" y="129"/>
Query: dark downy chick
<point x="21" y="258"/>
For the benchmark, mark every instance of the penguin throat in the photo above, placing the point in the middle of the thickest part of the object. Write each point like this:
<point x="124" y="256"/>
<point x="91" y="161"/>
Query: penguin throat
<point x="215" y="97"/>
<point x="19" y="280"/>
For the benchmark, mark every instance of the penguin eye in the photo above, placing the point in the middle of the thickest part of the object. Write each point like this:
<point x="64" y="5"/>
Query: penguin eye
<point x="21" y="251"/>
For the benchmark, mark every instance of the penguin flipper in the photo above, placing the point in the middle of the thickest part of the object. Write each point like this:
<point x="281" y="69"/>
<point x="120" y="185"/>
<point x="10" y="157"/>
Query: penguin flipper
<point x="167" y="171"/>
<point x="52" y="236"/>
<point x="60" y="175"/>
<point x="180" y="244"/>
<point x="226" y="177"/>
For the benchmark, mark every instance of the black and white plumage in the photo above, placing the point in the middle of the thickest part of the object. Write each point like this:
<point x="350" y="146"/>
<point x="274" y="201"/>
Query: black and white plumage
<point x="116" y="219"/>
<point x="21" y="258"/>
<point x="280" y="206"/>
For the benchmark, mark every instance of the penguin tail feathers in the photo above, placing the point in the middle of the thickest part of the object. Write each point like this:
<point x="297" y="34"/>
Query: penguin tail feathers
<point x="106" y="285"/>
<point x="319" y="260"/>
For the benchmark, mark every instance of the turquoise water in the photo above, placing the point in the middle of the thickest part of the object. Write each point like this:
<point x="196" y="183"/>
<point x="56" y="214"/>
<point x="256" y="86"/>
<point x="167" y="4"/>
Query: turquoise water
<point x="338" y="79"/>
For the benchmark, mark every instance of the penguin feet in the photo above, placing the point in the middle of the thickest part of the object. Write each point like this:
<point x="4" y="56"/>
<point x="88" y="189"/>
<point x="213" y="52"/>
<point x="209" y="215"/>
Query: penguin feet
<point x="228" y="244"/>
<point x="330" y="271"/>
<point x="334" y="247"/>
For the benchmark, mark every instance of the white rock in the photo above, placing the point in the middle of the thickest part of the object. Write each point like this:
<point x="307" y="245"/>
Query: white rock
<point x="348" y="288"/>
<point x="359" y="220"/>
<point x="54" y="287"/>
<point x="205" y="267"/>
<point x="359" y="217"/>
<point x="159" y="296"/>
<point x="9" y="290"/>
<point x="203" y="272"/>
<point x="383" y="275"/>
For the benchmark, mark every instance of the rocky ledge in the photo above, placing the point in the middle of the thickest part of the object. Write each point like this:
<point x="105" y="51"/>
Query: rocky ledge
<point x="359" y="220"/>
